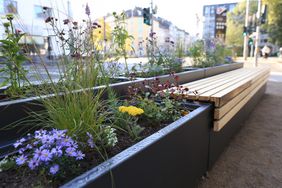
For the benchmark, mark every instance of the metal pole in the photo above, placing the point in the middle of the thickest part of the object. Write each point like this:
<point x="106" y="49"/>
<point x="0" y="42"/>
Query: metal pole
<point x="246" y="37"/>
<point x="105" y="40"/>
<point x="257" y="34"/>
<point x="152" y="28"/>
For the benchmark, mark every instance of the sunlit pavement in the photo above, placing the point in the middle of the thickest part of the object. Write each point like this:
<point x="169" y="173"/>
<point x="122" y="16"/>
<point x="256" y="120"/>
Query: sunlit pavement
<point x="274" y="63"/>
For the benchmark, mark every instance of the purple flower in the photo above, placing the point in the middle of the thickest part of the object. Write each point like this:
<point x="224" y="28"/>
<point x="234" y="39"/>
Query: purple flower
<point x="19" y="142"/>
<point x="33" y="163"/>
<point x="90" y="143"/>
<point x="66" y="21"/>
<point x="45" y="147"/>
<point x="21" y="160"/>
<point x="79" y="155"/>
<point x="46" y="139"/>
<point x="58" y="134"/>
<point x="74" y="144"/>
<point x="35" y="143"/>
<point x="28" y="146"/>
<point x="39" y="134"/>
<point x="71" y="152"/>
<point x="37" y="154"/>
<point x="87" y="10"/>
<point x="89" y="135"/>
<point x="66" y="142"/>
<point x="57" y="151"/>
<point x="90" y="140"/>
<point x="22" y="150"/>
<point x="45" y="155"/>
<point x="54" y="169"/>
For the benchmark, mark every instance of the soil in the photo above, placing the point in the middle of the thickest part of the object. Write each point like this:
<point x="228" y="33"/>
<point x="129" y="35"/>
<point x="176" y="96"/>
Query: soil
<point x="23" y="177"/>
<point x="254" y="157"/>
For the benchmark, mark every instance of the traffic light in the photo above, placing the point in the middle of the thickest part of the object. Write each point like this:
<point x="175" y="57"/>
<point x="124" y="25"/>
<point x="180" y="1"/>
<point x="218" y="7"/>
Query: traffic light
<point x="245" y="31"/>
<point x="251" y="42"/>
<point x="147" y="16"/>
<point x="263" y="17"/>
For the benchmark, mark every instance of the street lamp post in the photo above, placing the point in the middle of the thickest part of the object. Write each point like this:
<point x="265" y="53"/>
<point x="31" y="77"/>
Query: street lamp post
<point x="246" y="37"/>
<point x="257" y="35"/>
<point x="152" y="27"/>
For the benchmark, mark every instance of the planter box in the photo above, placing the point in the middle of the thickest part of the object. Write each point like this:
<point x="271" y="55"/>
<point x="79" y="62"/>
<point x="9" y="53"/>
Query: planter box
<point x="220" y="140"/>
<point x="13" y="111"/>
<point x="211" y="71"/>
<point x="175" y="156"/>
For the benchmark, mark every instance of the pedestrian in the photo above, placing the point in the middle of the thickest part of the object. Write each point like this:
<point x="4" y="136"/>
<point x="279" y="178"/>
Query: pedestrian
<point x="265" y="51"/>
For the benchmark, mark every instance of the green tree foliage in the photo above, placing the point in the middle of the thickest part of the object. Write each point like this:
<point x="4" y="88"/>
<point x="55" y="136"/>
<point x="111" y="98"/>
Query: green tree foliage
<point x="274" y="26"/>
<point x="235" y="24"/>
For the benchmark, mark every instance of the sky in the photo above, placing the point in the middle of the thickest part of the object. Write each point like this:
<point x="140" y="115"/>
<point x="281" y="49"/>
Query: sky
<point x="181" y="13"/>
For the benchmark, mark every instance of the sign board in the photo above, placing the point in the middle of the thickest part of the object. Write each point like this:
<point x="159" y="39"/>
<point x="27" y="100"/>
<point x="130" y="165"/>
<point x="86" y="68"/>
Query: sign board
<point x="220" y="23"/>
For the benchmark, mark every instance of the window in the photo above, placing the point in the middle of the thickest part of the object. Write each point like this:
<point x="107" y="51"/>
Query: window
<point x="42" y="12"/>
<point x="8" y="6"/>
<point x="212" y="10"/>
<point x="231" y="7"/>
<point x="207" y="10"/>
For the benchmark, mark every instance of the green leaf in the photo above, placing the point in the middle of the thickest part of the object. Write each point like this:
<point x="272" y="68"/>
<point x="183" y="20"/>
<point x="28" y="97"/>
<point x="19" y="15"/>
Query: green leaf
<point x="7" y="42"/>
<point x="21" y="58"/>
<point x="4" y="83"/>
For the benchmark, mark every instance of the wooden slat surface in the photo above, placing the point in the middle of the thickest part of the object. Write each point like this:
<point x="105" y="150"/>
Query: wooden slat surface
<point x="209" y="95"/>
<point x="212" y="78"/>
<point x="219" y="124"/>
<point x="222" y="88"/>
<point x="207" y="84"/>
<point x="220" y="112"/>
<point x="217" y="84"/>
<point x="222" y="97"/>
<point x="229" y="91"/>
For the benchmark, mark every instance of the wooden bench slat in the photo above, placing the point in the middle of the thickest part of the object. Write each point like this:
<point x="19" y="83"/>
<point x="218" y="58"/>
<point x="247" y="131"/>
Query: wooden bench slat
<point x="210" y="79"/>
<point x="218" y="81"/>
<point x="206" y="95"/>
<point x="220" y="112"/>
<point x="219" y="124"/>
<point x="224" y="96"/>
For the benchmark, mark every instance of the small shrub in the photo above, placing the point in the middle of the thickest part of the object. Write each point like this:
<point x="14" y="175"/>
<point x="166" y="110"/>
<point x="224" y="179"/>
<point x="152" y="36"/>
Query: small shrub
<point x="13" y="58"/>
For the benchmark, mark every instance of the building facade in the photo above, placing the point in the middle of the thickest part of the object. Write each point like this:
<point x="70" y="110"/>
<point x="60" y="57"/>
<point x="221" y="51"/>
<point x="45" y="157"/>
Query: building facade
<point x="214" y="25"/>
<point x="166" y="33"/>
<point x="30" y="16"/>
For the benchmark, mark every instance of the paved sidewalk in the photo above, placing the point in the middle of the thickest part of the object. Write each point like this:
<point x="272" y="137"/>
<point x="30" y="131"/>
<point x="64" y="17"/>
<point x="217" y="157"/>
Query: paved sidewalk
<point x="254" y="156"/>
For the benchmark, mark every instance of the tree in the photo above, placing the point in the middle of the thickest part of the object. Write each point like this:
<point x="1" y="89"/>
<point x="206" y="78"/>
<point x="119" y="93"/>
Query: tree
<point x="235" y="24"/>
<point x="274" y="17"/>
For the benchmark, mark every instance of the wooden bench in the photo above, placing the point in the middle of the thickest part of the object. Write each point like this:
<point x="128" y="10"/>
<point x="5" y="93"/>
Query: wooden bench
<point x="229" y="91"/>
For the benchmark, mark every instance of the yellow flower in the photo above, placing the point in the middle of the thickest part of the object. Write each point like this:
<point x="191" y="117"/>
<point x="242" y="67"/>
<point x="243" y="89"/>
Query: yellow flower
<point x="131" y="110"/>
<point x="184" y="113"/>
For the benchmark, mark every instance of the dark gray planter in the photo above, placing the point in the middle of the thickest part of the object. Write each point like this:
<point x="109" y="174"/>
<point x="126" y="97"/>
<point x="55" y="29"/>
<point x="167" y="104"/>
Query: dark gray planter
<point x="220" y="140"/>
<point x="13" y="111"/>
<point x="175" y="156"/>
<point x="211" y="71"/>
